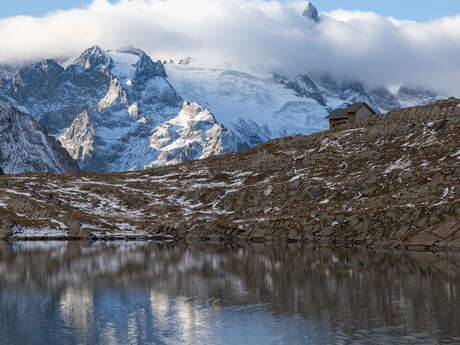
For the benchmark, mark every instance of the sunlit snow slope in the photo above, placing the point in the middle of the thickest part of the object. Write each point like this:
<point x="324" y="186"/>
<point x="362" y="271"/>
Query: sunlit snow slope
<point x="257" y="109"/>
<point x="263" y="108"/>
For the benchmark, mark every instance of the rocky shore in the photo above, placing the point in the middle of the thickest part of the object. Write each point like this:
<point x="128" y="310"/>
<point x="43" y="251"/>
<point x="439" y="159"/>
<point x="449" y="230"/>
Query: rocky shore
<point x="388" y="181"/>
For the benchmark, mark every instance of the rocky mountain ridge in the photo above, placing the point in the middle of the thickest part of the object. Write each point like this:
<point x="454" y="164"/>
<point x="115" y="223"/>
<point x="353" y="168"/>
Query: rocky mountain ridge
<point x="387" y="181"/>
<point x="105" y="107"/>
<point x="25" y="146"/>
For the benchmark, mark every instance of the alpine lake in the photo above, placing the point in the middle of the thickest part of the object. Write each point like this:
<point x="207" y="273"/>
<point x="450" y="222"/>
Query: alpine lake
<point x="202" y="293"/>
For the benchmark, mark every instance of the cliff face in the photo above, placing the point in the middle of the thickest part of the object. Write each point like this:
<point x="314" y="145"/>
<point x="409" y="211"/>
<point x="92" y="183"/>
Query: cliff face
<point x="25" y="145"/>
<point x="389" y="180"/>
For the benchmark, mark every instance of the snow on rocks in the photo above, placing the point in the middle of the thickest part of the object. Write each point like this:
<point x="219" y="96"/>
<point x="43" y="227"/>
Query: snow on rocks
<point x="23" y="232"/>
<point x="124" y="64"/>
<point x="400" y="164"/>
<point x="25" y="145"/>
<point x="193" y="134"/>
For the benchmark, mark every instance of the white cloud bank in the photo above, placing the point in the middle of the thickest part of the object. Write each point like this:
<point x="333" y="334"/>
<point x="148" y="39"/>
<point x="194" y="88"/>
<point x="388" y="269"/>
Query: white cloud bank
<point x="268" y="35"/>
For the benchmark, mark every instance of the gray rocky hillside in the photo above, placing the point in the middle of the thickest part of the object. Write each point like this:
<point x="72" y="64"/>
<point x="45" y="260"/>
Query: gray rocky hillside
<point x="389" y="180"/>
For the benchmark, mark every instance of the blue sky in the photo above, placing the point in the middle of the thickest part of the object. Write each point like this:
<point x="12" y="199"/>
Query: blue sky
<point x="419" y="10"/>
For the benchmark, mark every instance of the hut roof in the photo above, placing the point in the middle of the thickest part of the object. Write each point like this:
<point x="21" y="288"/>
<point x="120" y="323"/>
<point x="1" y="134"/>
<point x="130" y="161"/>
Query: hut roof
<point x="352" y="108"/>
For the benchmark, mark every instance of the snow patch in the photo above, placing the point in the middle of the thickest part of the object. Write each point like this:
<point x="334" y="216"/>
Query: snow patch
<point x="399" y="164"/>
<point x="124" y="65"/>
<point x="28" y="232"/>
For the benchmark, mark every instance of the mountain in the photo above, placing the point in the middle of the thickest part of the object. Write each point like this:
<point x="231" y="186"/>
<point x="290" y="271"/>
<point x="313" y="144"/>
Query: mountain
<point x="388" y="181"/>
<point x="260" y="108"/>
<point x="120" y="86"/>
<point x="104" y="107"/>
<point x="25" y="146"/>
<point x="408" y="97"/>
<point x="311" y="12"/>
<point x="193" y="134"/>
<point x="7" y="71"/>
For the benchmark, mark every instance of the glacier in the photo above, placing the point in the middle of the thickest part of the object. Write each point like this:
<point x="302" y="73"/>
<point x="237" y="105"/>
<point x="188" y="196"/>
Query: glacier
<point x="261" y="108"/>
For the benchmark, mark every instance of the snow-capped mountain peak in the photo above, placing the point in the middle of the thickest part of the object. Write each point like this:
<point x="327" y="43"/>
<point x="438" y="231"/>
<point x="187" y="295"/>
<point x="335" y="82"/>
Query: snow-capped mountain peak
<point x="93" y="58"/>
<point x="193" y="112"/>
<point x="311" y="12"/>
<point x="193" y="134"/>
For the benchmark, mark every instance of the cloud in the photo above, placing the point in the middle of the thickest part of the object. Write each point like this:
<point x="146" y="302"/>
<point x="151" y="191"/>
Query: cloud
<point x="252" y="34"/>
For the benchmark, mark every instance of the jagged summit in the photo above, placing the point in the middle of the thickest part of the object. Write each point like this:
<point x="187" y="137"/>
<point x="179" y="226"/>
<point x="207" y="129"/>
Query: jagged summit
<point x="93" y="58"/>
<point x="193" y="134"/>
<point x="311" y="12"/>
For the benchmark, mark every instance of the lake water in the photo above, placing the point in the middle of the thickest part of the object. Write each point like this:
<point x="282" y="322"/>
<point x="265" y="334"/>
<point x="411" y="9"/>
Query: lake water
<point x="146" y="293"/>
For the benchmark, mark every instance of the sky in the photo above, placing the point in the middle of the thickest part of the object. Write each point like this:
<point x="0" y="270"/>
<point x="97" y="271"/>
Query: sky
<point x="419" y="10"/>
<point x="259" y="36"/>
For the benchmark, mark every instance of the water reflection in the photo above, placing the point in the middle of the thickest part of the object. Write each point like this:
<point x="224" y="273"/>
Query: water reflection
<point x="145" y="293"/>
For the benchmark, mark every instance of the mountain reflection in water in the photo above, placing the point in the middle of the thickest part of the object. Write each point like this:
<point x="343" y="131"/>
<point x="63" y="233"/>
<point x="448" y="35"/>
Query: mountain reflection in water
<point x="146" y="293"/>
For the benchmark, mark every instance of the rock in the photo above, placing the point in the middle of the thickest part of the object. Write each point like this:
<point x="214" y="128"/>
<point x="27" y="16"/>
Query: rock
<point x="6" y="226"/>
<point x="311" y="12"/>
<point x="424" y="238"/>
<point x="25" y="145"/>
<point x="193" y="134"/>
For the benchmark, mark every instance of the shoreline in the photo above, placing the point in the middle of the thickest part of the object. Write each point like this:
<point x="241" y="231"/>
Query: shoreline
<point x="256" y="241"/>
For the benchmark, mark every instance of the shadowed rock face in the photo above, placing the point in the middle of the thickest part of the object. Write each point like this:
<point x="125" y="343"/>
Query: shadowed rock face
<point x="25" y="145"/>
<point x="311" y="12"/>
<point x="384" y="99"/>
<point x="387" y="180"/>
<point x="40" y="80"/>
<point x="303" y="87"/>
<point x="408" y="96"/>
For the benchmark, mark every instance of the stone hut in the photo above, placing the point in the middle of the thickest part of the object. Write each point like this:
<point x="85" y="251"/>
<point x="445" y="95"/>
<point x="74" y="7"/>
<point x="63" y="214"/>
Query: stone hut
<point x="356" y="111"/>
